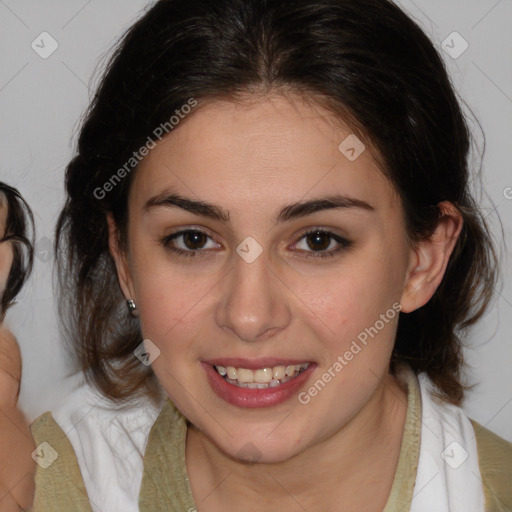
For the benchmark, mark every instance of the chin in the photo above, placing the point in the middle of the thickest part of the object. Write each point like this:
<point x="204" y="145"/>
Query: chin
<point x="259" y="448"/>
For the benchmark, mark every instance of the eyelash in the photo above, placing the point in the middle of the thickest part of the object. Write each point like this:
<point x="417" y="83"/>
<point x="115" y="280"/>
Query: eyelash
<point x="344" y="243"/>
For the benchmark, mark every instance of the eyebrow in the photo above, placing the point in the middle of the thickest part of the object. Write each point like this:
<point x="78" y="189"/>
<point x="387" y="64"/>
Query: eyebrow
<point x="287" y="213"/>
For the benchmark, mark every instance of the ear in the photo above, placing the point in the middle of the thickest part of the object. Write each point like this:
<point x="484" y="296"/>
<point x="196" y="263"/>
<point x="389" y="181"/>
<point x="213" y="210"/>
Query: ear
<point x="430" y="258"/>
<point x="120" y="259"/>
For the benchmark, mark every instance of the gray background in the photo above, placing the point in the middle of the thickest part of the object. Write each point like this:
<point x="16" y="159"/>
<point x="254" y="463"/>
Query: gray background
<point x="42" y="100"/>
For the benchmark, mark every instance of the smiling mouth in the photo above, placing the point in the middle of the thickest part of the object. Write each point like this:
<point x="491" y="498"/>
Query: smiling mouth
<point x="270" y="377"/>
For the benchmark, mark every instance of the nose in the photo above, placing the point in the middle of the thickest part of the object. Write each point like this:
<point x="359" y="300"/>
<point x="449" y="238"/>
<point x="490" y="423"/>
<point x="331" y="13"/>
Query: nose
<point x="254" y="303"/>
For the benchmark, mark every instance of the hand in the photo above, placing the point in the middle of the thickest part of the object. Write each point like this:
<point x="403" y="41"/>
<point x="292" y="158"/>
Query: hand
<point x="16" y="444"/>
<point x="17" y="467"/>
<point x="10" y="356"/>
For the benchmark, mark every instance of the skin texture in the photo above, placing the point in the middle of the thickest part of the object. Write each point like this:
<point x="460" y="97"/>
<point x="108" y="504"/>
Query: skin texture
<point x="6" y="253"/>
<point x="252" y="159"/>
<point x="16" y="443"/>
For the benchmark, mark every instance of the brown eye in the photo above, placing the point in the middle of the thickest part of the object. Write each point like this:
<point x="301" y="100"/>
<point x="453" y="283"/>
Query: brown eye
<point x="189" y="242"/>
<point x="318" y="241"/>
<point x="194" y="239"/>
<point x="315" y="243"/>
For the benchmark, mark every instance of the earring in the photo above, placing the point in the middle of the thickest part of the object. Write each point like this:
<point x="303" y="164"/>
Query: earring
<point x="131" y="306"/>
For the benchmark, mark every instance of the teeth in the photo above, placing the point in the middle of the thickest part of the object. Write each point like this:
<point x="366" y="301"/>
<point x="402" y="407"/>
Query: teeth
<point x="263" y="375"/>
<point x="290" y="370"/>
<point x="244" y="375"/>
<point x="278" y="372"/>
<point x="261" y="378"/>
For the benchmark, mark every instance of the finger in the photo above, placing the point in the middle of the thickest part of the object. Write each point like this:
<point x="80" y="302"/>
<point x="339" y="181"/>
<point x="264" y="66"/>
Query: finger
<point x="18" y="467"/>
<point x="7" y="501"/>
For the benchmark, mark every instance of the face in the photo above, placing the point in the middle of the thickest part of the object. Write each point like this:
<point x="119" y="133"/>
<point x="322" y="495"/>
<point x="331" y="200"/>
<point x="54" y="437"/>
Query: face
<point x="252" y="283"/>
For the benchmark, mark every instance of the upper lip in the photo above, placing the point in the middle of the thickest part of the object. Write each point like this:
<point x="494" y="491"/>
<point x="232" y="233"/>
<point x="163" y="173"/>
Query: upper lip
<point x="254" y="364"/>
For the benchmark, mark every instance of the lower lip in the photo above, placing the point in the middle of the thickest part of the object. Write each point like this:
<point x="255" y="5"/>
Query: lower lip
<point x="252" y="398"/>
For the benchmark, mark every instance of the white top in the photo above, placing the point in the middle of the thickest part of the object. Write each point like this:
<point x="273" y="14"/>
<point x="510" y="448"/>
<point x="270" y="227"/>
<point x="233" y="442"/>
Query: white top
<point x="109" y="443"/>
<point x="448" y="478"/>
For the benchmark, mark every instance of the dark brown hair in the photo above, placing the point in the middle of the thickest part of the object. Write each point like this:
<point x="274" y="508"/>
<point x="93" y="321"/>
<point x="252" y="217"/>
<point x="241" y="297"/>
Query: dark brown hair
<point x="19" y="229"/>
<point x="367" y="61"/>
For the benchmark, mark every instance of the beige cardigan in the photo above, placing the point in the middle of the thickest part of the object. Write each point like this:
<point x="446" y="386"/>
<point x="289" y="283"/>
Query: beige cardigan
<point x="165" y="485"/>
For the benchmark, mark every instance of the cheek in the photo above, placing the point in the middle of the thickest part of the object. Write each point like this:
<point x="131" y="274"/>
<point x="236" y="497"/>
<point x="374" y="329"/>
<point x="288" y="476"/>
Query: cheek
<point x="168" y="303"/>
<point x="168" y="307"/>
<point x="172" y="301"/>
<point x="353" y="295"/>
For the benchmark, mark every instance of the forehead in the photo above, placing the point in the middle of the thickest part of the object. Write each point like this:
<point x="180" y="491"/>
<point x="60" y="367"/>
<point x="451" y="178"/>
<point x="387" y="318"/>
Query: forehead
<point x="262" y="151"/>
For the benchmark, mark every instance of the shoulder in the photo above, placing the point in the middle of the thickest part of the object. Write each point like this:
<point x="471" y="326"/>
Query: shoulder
<point x="44" y="427"/>
<point x="104" y="441"/>
<point x="59" y="483"/>
<point x="483" y="460"/>
<point x="495" y="461"/>
<point x="165" y="484"/>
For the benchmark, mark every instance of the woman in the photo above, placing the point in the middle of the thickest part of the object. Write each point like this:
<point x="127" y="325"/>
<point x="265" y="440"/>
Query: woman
<point x="268" y="259"/>
<point x="16" y="443"/>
